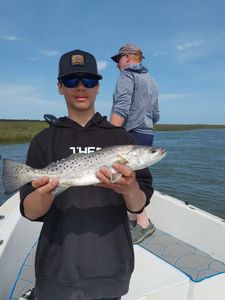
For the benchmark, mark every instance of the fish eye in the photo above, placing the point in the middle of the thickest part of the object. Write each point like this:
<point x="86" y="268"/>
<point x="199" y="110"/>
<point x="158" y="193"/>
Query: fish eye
<point x="153" y="150"/>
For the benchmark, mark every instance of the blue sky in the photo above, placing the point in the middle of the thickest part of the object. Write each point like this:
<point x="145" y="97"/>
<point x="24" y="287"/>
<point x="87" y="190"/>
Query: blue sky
<point x="183" y="43"/>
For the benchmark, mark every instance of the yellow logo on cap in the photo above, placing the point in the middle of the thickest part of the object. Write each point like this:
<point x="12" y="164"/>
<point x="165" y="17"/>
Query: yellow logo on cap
<point x="77" y="59"/>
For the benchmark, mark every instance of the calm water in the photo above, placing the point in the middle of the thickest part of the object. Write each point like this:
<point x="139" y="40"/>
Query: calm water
<point x="192" y="171"/>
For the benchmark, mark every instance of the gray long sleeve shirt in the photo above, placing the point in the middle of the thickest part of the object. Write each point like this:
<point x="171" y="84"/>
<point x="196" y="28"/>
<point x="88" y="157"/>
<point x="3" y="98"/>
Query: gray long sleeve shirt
<point x="136" y="99"/>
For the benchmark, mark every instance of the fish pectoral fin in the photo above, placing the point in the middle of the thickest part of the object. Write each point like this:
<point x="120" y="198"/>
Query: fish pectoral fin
<point x="114" y="177"/>
<point x="59" y="189"/>
<point x="122" y="160"/>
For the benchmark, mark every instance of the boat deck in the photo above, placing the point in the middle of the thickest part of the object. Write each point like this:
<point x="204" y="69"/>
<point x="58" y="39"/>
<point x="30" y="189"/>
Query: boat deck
<point x="166" y="267"/>
<point x="196" y="264"/>
<point x="154" y="279"/>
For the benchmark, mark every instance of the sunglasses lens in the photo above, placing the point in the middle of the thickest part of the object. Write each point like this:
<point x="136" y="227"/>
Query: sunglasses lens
<point x="89" y="83"/>
<point x="70" y="83"/>
<point x="73" y="82"/>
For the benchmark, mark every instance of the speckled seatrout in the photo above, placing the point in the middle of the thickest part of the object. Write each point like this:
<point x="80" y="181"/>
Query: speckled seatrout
<point x="80" y="169"/>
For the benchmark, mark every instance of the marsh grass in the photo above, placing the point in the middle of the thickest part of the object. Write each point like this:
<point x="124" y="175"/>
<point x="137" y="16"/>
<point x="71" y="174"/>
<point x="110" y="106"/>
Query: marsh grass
<point x="16" y="131"/>
<point x="21" y="131"/>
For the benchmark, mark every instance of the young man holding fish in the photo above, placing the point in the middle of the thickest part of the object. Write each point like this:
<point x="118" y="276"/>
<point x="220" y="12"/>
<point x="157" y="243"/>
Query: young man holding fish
<point x="85" y="248"/>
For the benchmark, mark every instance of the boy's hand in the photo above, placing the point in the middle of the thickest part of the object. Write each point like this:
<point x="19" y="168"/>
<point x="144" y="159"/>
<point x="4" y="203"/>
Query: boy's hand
<point x="127" y="185"/>
<point x="124" y="185"/>
<point x="44" y="186"/>
<point x="37" y="203"/>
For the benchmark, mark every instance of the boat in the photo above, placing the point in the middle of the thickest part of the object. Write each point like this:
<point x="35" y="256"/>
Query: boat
<point x="184" y="259"/>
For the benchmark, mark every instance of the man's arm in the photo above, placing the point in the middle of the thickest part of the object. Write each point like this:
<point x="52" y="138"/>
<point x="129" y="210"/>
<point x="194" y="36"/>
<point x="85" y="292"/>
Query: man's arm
<point x="117" y="120"/>
<point x="122" y="98"/>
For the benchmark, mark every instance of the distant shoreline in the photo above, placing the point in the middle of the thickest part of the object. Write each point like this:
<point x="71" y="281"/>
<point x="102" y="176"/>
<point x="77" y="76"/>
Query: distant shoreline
<point x="22" y="131"/>
<point x="180" y="127"/>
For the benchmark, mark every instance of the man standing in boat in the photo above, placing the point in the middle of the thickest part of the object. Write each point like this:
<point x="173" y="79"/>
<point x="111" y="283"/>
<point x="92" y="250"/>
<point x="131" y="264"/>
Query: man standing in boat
<point x="135" y="107"/>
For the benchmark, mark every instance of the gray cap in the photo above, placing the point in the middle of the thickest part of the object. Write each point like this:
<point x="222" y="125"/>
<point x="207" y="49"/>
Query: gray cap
<point x="127" y="49"/>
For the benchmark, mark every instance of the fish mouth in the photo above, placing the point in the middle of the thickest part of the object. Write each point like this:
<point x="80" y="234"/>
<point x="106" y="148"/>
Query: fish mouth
<point x="162" y="152"/>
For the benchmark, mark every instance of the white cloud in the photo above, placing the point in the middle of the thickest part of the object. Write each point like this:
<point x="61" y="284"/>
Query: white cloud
<point x="48" y="52"/>
<point x="182" y="47"/>
<point x="102" y="64"/>
<point x="11" y="38"/>
<point x="172" y="97"/>
<point x="25" y="102"/>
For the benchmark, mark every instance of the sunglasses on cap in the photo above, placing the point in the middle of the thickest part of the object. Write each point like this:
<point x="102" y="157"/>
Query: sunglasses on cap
<point x="73" y="82"/>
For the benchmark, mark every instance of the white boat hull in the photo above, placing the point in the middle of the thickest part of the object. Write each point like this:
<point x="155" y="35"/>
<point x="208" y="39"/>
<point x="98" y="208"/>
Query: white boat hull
<point x="17" y="236"/>
<point x="154" y="277"/>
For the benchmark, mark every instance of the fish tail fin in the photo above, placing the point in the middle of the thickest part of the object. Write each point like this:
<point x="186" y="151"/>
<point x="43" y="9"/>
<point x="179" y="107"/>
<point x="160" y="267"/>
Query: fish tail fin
<point x="14" y="175"/>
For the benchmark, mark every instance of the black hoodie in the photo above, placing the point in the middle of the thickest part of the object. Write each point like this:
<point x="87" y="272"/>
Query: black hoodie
<point x="85" y="249"/>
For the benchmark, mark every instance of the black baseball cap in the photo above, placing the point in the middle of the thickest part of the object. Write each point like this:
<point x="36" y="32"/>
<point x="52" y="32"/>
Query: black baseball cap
<point x="78" y="62"/>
